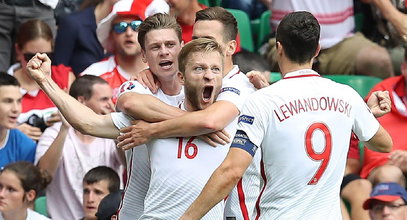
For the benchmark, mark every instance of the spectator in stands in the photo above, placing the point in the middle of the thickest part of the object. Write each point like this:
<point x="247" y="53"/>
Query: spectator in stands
<point x="379" y="167"/>
<point x="15" y="12"/>
<point x="254" y="8"/>
<point x="76" y="43"/>
<point x="342" y="51"/>
<point x="392" y="24"/>
<point x="20" y="184"/>
<point x="38" y="111"/>
<point x="14" y="145"/>
<point x="97" y="184"/>
<point x="118" y="35"/>
<point x="184" y="11"/>
<point x="67" y="154"/>
<point x="387" y="201"/>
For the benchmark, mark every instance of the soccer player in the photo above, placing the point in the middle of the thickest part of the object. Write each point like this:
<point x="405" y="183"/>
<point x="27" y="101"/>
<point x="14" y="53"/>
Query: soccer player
<point x="180" y="167"/>
<point x="218" y="24"/>
<point x="303" y="125"/>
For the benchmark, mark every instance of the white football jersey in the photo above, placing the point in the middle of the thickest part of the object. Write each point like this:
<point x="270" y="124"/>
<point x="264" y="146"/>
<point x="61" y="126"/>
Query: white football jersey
<point x="241" y="201"/>
<point x="180" y="168"/>
<point x="303" y="125"/>
<point x="138" y="165"/>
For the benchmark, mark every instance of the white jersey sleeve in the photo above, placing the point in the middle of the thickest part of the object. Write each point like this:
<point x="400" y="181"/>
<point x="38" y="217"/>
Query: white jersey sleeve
<point x="133" y="86"/>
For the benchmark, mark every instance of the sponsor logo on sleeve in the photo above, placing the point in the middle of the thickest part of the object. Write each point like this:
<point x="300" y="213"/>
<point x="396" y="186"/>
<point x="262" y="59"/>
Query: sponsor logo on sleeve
<point x="127" y="86"/>
<point x="246" y="119"/>
<point x="230" y="89"/>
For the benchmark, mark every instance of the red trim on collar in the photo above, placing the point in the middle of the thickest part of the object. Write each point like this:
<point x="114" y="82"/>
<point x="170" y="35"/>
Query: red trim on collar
<point x="299" y="76"/>
<point x="238" y="71"/>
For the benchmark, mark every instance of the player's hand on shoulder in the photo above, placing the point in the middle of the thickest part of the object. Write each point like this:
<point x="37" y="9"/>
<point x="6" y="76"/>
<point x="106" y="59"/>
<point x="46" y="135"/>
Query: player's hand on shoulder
<point x="136" y="134"/>
<point x="215" y="138"/>
<point x="257" y="78"/>
<point x="379" y="103"/>
<point x="147" y="79"/>
<point x="39" y="67"/>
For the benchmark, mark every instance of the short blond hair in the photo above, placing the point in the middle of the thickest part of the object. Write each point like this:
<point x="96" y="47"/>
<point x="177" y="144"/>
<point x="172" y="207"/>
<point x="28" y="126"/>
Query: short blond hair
<point x="204" y="45"/>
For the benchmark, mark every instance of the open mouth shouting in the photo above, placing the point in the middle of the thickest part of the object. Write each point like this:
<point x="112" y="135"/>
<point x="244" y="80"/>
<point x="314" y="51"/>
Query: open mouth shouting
<point x="207" y="93"/>
<point x="166" y="64"/>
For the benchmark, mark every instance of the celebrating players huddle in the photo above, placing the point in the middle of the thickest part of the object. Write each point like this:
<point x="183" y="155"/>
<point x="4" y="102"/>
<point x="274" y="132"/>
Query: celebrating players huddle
<point x="177" y="139"/>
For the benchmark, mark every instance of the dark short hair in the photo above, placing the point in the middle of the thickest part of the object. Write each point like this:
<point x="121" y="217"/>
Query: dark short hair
<point x="197" y="45"/>
<point x="100" y="173"/>
<point x="298" y="32"/>
<point x="157" y="22"/>
<point x="32" y="30"/>
<point x="248" y="61"/>
<point x="30" y="176"/>
<point x="8" y="80"/>
<point x="82" y="86"/>
<point x="223" y="16"/>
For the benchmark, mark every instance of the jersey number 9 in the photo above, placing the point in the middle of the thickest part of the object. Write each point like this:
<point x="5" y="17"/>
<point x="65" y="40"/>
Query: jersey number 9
<point x="323" y="156"/>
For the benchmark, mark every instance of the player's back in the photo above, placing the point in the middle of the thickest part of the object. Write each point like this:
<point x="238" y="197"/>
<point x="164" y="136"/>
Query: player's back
<point x="308" y="125"/>
<point x="180" y="168"/>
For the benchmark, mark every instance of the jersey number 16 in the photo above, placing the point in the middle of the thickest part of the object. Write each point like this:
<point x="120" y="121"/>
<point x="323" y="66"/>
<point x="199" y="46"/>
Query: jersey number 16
<point x="190" y="150"/>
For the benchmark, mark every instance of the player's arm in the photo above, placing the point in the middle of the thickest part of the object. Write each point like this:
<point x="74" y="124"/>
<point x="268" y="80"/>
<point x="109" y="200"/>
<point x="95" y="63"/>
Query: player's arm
<point x="224" y="178"/>
<point x="78" y="115"/>
<point x="146" y="107"/>
<point x="216" y="117"/>
<point x="380" y="142"/>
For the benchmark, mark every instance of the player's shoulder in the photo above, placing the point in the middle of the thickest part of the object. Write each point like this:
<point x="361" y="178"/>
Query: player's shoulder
<point x="133" y="86"/>
<point x="237" y="79"/>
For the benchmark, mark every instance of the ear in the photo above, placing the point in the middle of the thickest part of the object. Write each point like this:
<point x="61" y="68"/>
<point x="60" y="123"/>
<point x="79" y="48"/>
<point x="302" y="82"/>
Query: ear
<point x="143" y="56"/>
<point x="30" y="195"/>
<point x="81" y="99"/>
<point x="231" y="48"/>
<point x="182" y="44"/>
<point x="317" y="51"/>
<point x="279" y="48"/>
<point x="181" y="77"/>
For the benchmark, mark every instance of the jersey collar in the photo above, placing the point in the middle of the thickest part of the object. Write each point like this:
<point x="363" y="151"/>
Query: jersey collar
<point x="301" y="73"/>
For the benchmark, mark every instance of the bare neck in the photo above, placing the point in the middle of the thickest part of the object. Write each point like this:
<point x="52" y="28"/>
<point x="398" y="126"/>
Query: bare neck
<point x="287" y="66"/>
<point x="25" y="80"/>
<point x="131" y="64"/>
<point x="171" y="86"/>
<point x="228" y="66"/>
<point x="20" y="214"/>
<point x="3" y="134"/>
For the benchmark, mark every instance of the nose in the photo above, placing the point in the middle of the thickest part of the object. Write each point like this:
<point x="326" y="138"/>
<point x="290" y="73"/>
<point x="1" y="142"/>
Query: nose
<point x="163" y="50"/>
<point x="209" y="75"/>
<point x="129" y="31"/>
<point x="110" y="105"/>
<point x="386" y="210"/>
<point x="2" y="192"/>
<point x="16" y="108"/>
<point x="91" y="197"/>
